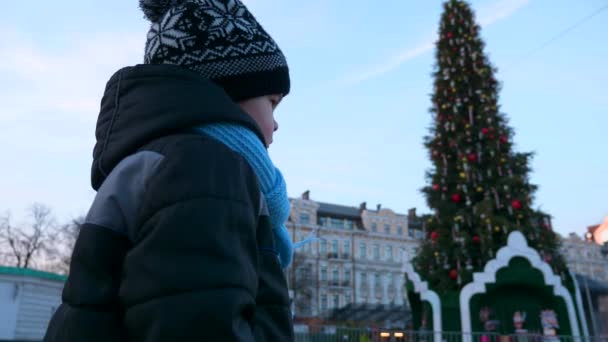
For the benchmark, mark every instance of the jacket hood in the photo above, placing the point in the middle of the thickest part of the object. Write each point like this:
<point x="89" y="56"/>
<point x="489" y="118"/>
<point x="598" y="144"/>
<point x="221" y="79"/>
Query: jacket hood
<point x="145" y="102"/>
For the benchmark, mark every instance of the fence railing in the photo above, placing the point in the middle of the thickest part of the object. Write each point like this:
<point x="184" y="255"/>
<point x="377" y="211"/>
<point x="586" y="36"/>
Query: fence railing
<point x="350" y="334"/>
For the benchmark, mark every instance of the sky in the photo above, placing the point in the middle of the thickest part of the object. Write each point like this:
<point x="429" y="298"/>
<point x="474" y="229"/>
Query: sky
<point x="352" y="128"/>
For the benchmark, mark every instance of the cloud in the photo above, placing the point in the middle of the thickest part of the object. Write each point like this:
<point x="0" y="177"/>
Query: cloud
<point x="487" y="15"/>
<point x="50" y="85"/>
<point x="391" y="64"/>
<point x="496" y="11"/>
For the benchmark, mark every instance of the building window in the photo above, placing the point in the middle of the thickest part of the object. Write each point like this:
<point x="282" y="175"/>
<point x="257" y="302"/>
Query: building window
<point x="304" y="218"/>
<point x="374" y="227"/>
<point x="346" y="275"/>
<point x="362" y="250"/>
<point x="377" y="252"/>
<point x="400" y="230"/>
<point x="323" y="246"/>
<point x="387" y="229"/>
<point x="348" y="298"/>
<point x="323" y="274"/>
<point x="346" y="249"/>
<point x="390" y="278"/>
<point x="388" y="251"/>
<point x="336" y="301"/>
<point x="334" y="246"/>
<point x="323" y="221"/>
<point x="349" y="224"/>
<point x="323" y="302"/>
<point x="336" y="275"/>
<point x="337" y="223"/>
<point x="377" y="279"/>
<point x="363" y="276"/>
<point x="401" y="253"/>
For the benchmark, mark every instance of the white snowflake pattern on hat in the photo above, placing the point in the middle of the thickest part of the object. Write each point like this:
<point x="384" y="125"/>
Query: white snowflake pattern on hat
<point x="228" y="16"/>
<point x="167" y="33"/>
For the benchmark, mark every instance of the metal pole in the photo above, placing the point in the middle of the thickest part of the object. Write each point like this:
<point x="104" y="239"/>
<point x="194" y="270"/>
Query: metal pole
<point x="591" y="309"/>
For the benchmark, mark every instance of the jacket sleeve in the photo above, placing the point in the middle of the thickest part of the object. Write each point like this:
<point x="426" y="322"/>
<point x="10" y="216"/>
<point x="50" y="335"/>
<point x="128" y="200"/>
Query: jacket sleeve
<point x="192" y="272"/>
<point x="91" y="309"/>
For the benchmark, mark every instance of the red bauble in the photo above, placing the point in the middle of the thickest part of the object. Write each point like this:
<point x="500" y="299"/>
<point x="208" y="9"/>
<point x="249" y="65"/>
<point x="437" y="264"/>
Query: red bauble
<point x="456" y="198"/>
<point x="436" y="187"/>
<point x="453" y="274"/>
<point x="450" y="35"/>
<point x="548" y="257"/>
<point x="434" y="236"/>
<point x="472" y="157"/>
<point x="516" y="204"/>
<point x="504" y="139"/>
<point x="476" y="239"/>
<point x="485" y="130"/>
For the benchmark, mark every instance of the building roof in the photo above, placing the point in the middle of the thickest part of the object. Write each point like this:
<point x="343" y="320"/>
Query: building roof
<point x="339" y="210"/>
<point x="26" y="272"/>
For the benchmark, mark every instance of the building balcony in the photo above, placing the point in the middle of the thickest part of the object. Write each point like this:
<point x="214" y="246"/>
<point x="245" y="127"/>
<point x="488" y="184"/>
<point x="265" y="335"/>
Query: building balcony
<point x="338" y="283"/>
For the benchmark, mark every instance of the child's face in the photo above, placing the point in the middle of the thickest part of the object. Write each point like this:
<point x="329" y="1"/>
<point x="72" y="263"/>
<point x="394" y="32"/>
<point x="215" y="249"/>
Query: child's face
<point x="261" y="109"/>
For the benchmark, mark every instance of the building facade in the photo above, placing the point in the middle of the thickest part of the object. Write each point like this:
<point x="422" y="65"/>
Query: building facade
<point x="585" y="257"/>
<point x="28" y="299"/>
<point x="356" y="258"/>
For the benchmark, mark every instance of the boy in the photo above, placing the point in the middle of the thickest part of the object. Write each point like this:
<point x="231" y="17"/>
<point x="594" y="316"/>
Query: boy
<point x="185" y="240"/>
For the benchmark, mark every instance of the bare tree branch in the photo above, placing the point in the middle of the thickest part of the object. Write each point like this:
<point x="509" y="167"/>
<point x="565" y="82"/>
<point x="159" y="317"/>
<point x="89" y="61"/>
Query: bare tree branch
<point x="28" y="242"/>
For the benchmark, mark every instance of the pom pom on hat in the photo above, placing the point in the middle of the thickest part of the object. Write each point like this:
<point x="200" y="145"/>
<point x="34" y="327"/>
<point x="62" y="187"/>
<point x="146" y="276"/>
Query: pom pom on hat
<point x="154" y="10"/>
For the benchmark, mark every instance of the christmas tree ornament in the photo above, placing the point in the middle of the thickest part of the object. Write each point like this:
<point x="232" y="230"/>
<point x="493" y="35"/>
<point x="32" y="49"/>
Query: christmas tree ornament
<point x="516" y="204"/>
<point x="434" y="236"/>
<point x="456" y="198"/>
<point x="476" y="239"/>
<point x="453" y="274"/>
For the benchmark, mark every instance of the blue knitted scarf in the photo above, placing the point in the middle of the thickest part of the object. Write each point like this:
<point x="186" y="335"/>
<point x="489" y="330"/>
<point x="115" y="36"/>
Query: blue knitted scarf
<point x="246" y="143"/>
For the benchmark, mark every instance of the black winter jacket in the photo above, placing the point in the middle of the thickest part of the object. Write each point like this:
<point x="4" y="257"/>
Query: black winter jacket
<point x="177" y="245"/>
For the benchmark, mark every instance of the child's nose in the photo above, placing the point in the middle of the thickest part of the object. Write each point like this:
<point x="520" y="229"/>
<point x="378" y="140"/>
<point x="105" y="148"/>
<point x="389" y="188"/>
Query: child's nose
<point x="276" y="126"/>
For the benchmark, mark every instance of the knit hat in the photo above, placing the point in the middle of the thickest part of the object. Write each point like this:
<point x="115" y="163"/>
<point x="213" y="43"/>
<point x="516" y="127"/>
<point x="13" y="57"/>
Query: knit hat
<point x="220" y="40"/>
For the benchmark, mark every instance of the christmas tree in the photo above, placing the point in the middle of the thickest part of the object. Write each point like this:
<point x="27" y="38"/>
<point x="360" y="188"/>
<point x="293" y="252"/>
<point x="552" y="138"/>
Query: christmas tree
<point x="478" y="188"/>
